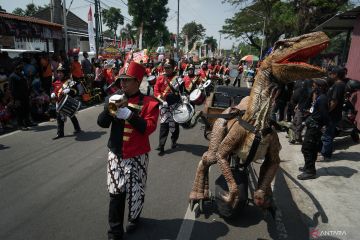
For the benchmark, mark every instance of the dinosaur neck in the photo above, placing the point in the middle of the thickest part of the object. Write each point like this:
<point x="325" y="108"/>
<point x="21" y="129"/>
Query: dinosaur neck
<point x="259" y="107"/>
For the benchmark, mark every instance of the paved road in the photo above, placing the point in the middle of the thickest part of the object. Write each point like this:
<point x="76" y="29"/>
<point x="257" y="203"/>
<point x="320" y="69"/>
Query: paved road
<point x="56" y="190"/>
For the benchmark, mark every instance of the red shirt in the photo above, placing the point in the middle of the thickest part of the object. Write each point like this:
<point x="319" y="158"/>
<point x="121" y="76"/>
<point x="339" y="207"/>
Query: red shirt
<point x="76" y="70"/>
<point x="161" y="88"/>
<point x="203" y="73"/>
<point x="134" y="142"/>
<point x="57" y="85"/>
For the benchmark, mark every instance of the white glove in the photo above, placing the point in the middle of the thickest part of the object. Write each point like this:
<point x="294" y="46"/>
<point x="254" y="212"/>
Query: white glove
<point x="53" y="95"/>
<point x="123" y="113"/>
<point x="164" y="104"/>
<point x="184" y="99"/>
<point x="116" y="97"/>
<point x="66" y="90"/>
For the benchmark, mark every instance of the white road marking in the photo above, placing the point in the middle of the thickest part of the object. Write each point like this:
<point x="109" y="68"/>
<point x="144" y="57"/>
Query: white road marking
<point x="187" y="224"/>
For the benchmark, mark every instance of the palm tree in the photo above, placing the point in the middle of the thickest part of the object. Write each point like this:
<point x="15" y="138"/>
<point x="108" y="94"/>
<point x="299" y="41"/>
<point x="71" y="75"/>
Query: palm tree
<point x="211" y="42"/>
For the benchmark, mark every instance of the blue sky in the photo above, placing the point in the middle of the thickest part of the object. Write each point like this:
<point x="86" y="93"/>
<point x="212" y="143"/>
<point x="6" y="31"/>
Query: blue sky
<point x="210" y="13"/>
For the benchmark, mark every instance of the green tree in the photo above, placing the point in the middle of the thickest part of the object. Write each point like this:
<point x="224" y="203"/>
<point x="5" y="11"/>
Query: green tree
<point x="112" y="17"/>
<point x="211" y="42"/>
<point x="30" y="10"/>
<point x="129" y="32"/>
<point x="287" y="18"/>
<point x="149" y="16"/>
<point x="108" y="33"/>
<point x="1" y="9"/>
<point x="194" y="32"/>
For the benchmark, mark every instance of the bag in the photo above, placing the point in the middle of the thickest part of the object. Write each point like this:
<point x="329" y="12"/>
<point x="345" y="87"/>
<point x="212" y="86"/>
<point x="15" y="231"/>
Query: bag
<point x="221" y="188"/>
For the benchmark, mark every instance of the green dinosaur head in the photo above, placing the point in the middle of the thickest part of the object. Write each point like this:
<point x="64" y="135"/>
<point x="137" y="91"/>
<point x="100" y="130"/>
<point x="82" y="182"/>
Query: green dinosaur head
<point x="288" y="59"/>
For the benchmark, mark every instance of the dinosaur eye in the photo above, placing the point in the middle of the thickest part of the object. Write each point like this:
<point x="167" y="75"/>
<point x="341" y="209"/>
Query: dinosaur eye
<point x="281" y="47"/>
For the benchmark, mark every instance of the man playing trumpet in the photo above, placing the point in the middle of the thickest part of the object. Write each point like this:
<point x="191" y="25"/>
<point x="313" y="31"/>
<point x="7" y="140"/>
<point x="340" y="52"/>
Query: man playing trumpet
<point x="132" y="117"/>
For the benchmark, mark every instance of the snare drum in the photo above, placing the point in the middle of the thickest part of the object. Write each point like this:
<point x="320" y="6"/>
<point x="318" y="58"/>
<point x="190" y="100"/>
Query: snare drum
<point x="197" y="97"/>
<point x="208" y="86"/>
<point x="68" y="106"/>
<point x="183" y="113"/>
<point x="151" y="80"/>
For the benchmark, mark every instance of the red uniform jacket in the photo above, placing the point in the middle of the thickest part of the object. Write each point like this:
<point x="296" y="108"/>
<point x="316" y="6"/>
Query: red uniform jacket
<point x="226" y="71"/>
<point x="189" y="82"/>
<point x="161" y="88"/>
<point x="148" y="71"/>
<point x="217" y="68"/>
<point x="203" y="74"/>
<point x="134" y="142"/>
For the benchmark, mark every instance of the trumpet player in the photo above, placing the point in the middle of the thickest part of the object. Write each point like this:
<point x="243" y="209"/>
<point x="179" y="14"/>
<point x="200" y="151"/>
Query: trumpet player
<point x="132" y="117"/>
<point x="63" y="86"/>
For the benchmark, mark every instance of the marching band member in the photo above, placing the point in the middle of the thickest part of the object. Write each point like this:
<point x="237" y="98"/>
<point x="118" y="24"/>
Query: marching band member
<point x="226" y="73"/>
<point x="218" y="67"/>
<point x="167" y="89"/>
<point x="204" y="71"/>
<point x="191" y="80"/>
<point x="131" y="124"/>
<point x="63" y="86"/>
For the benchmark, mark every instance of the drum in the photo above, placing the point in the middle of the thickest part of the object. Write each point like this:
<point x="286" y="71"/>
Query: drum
<point x="208" y="87"/>
<point x="68" y="106"/>
<point x="197" y="97"/>
<point x="233" y="73"/>
<point x="151" y="80"/>
<point x="183" y="113"/>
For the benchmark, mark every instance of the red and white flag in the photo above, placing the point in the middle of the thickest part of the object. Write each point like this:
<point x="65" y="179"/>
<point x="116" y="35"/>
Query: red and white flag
<point x="91" y="31"/>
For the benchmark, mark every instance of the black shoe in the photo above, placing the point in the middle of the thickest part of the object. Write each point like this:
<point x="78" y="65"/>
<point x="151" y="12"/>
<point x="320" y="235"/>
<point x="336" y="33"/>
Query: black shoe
<point x="161" y="152"/>
<point x="302" y="169"/>
<point x="306" y="176"/>
<point x="77" y="131"/>
<point x="58" y="136"/>
<point x="131" y="226"/>
<point x="173" y="145"/>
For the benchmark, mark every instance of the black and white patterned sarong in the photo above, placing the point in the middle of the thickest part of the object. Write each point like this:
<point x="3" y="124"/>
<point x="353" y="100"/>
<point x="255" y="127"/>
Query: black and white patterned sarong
<point x="166" y="116"/>
<point x="128" y="175"/>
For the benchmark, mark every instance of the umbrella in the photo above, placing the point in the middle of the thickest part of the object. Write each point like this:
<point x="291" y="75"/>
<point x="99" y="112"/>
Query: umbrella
<point x="250" y="58"/>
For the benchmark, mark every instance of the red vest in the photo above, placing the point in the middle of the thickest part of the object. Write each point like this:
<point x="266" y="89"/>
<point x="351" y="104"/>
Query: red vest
<point x="135" y="143"/>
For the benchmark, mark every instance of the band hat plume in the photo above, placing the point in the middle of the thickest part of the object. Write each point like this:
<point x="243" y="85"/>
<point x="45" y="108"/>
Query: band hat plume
<point x="133" y="70"/>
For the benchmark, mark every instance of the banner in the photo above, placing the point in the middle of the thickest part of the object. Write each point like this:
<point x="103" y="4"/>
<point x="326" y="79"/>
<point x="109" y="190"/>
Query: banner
<point x="91" y="32"/>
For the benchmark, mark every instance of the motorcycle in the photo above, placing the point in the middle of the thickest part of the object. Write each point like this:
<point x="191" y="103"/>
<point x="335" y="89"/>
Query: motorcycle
<point x="347" y="125"/>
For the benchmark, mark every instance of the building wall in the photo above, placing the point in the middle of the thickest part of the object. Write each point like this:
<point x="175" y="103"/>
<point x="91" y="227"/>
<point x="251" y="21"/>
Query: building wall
<point x="354" y="53"/>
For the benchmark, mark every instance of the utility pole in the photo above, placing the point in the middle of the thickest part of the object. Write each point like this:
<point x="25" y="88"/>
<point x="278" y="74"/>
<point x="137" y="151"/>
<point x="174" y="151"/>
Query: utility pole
<point x="97" y="35"/>
<point x="177" y="32"/>
<point x="65" y="27"/>
<point x="220" y="45"/>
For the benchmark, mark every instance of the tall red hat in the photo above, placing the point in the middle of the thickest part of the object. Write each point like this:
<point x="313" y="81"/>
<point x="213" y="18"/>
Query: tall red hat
<point x="133" y="70"/>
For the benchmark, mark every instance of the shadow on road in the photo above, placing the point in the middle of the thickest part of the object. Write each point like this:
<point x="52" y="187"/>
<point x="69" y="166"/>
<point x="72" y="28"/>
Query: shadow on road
<point x="348" y="156"/>
<point x="197" y="150"/>
<point x="320" y="210"/>
<point x="43" y="128"/>
<point x="88" y="136"/>
<point x="336" y="171"/>
<point x="2" y="147"/>
<point x="154" y="229"/>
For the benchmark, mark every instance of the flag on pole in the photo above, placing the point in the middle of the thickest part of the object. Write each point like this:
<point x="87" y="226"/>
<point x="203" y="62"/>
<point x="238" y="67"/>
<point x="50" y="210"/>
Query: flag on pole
<point x="91" y="31"/>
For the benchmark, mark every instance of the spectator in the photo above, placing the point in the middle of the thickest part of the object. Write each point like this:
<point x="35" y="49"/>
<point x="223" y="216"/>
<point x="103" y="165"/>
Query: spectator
<point x="76" y="71"/>
<point x="46" y="73"/>
<point x="312" y="140"/>
<point x="86" y="64"/>
<point x="20" y="91"/>
<point x="336" y="99"/>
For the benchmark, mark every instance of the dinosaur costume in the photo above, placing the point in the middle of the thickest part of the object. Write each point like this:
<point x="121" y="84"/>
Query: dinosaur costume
<point x="286" y="63"/>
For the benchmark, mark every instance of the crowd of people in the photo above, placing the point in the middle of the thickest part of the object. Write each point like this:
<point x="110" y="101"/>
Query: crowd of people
<point x="318" y="105"/>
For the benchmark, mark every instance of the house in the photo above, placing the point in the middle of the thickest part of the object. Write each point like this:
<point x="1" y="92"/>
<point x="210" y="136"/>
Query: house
<point x="27" y="33"/>
<point x="77" y="29"/>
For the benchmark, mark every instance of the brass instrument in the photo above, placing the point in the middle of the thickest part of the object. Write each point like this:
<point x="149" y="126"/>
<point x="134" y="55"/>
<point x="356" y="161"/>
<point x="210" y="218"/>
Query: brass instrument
<point x="113" y="106"/>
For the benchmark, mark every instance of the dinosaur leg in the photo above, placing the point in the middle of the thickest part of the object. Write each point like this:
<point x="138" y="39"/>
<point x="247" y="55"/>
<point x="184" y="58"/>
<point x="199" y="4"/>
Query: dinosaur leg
<point x="231" y="141"/>
<point x="263" y="195"/>
<point x="201" y="182"/>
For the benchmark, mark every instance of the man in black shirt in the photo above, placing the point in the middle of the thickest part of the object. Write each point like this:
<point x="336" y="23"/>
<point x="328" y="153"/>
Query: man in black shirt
<point x="318" y="118"/>
<point x="336" y="101"/>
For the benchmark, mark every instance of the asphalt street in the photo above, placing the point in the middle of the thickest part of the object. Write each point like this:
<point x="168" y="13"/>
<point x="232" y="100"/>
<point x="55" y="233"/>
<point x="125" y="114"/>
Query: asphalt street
<point x="57" y="190"/>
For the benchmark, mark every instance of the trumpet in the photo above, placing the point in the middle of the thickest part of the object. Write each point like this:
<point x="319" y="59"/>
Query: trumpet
<point x="117" y="102"/>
